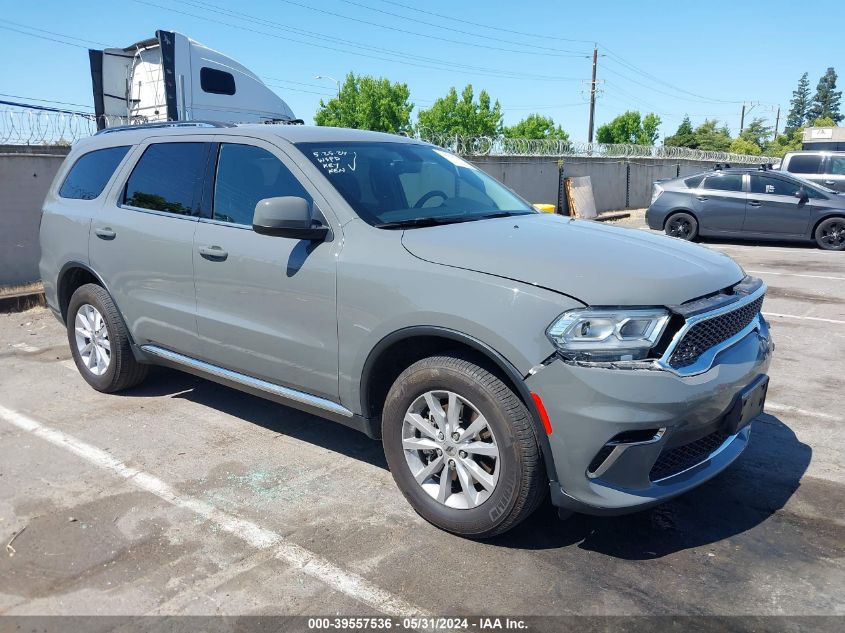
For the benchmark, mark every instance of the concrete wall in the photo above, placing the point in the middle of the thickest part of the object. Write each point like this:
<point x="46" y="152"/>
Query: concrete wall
<point x="25" y="175"/>
<point x="617" y="183"/>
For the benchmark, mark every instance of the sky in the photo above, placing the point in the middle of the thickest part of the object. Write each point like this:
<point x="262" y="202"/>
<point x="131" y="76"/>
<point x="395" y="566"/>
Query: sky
<point x="673" y="58"/>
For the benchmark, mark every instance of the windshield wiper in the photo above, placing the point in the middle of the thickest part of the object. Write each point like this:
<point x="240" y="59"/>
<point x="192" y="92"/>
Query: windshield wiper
<point x="419" y="222"/>
<point x="501" y="214"/>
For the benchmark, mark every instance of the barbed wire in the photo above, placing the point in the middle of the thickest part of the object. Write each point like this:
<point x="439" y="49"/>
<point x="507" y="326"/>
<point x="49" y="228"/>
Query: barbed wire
<point x="26" y="126"/>
<point x="503" y="146"/>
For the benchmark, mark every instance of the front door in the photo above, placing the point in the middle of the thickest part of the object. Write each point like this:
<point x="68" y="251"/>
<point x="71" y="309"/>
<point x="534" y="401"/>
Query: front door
<point x="142" y="241"/>
<point x="773" y="208"/>
<point x="266" y="306"/>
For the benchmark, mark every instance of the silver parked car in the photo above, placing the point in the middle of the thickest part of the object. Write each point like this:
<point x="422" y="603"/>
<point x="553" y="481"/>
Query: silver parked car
<point x="825" y="168"/>
<point x="749" y="203"/>
<point x="386" y="284"/>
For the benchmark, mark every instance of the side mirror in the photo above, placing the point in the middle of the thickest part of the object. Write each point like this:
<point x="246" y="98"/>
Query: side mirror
<point x="286" y="216"/>
<point x="802" y="195"/>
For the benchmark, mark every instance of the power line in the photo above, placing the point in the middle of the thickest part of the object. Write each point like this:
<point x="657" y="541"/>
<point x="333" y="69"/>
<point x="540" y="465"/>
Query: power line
<point x="417" y="34"/>
<point x="43" y="37"/>
<point x="536" y="49"/>
<point x="446" y="65"/>
<point x="79" y="105"/>
<point x="486" y="26"/>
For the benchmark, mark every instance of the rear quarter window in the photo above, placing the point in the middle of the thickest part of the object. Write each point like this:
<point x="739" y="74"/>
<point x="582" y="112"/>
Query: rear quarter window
<point x="90" y="173"/>
<point x="804" y="163"/>
<point x="694" y="182"/>
<point x="724" y="182"/>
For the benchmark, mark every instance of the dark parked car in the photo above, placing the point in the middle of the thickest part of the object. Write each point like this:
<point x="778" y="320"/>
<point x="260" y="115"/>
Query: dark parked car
<point x="752" y="202"/>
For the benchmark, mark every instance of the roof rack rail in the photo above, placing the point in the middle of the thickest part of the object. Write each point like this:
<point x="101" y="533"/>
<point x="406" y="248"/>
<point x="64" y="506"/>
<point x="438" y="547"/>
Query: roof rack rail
<point x="165" y="124"/>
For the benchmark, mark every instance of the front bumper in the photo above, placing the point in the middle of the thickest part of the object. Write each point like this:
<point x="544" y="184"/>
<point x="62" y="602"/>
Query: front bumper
<point x="659" y="412"/>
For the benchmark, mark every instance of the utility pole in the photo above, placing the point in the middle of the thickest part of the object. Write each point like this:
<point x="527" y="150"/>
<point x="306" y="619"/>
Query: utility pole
<point x="742" y="119"/>
<point x="593" y="95"/>
<point x="777" y="121"/>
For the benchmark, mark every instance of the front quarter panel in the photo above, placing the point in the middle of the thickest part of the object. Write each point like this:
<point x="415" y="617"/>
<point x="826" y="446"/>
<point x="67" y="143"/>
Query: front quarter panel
<point x="382" y="289"/>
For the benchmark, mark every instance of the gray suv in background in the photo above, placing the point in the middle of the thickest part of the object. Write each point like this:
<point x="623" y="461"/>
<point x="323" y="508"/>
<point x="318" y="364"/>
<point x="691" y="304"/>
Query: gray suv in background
<point x="389" y="285"/>
<point x="823" y="168"/>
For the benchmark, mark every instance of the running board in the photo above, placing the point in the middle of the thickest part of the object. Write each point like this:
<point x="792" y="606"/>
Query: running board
<point x="285" y="393"/>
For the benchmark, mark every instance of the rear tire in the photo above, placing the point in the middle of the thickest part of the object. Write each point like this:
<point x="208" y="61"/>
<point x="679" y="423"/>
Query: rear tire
<point x="682" y="225"/>
<point x="489" y="487"/>
<point x="99" y="341"/>
<point x="830" y="234"/>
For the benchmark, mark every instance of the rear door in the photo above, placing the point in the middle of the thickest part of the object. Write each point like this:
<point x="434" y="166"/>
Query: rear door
<point x="266" y="306"/>
<point x="720" y="203"/>
<point x="141" y="242"/>
<point x="773" y="208"/>
<point x="834" y="172"/>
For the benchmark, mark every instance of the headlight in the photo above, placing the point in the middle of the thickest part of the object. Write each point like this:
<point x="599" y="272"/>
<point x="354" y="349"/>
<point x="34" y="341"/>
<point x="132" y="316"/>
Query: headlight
<point x="607" y="334"/>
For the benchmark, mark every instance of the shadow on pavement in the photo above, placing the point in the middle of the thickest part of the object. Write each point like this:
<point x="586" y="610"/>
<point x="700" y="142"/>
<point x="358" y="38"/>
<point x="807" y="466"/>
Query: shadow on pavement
<point x="270" y="415"/>
<point x="758" y="484"/>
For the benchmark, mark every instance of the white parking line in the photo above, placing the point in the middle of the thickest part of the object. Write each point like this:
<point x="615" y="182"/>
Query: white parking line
<point x="788" y="408"/>
<point x="803" y="318"/>
<point x="771" y="272"/>
<point x="252" y="534"/>
<point x="25" y="347"/>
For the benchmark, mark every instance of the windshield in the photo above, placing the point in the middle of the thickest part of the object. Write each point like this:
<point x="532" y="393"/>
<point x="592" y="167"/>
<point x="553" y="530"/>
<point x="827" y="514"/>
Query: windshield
<point x="392" y="185"/>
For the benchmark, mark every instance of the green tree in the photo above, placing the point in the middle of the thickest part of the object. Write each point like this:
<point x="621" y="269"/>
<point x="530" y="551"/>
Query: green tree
<point x="684" y="137"/>
<point x="799" y="106"/>
<point x="462" y="115"/>
<point x="756" y="132"/>
<point x="742" y="145"/>
<point x="630" y="127"/>
<point x="824" y="121"/>
<point x="786" y="142"/>
<point x="368" y="103"/>
<point x="536" y="126"/>
<point x="713" y="139"/>
<point x="827" y="98"/>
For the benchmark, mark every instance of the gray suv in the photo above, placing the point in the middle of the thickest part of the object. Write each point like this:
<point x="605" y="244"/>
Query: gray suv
<point x="389" y="285"/>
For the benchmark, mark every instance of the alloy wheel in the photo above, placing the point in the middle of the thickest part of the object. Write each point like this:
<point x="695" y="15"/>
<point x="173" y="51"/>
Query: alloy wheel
<point x="450" y="449"/>
<point x="92" y="339"/>
<point x="833" y="233"/>
<point x="680" y="227"/>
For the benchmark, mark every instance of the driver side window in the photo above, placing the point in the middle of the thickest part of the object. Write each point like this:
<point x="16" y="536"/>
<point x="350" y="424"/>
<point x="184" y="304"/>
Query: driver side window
<point x="245" y="175"/>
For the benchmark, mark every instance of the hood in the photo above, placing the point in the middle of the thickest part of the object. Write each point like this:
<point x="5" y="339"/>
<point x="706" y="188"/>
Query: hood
<point x="589" y="261"/>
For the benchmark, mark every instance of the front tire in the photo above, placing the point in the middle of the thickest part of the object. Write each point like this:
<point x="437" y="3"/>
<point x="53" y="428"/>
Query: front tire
<point x="682" y="225"/>
<point x="830" y="234"/>
<point x="99" y="341"/>
<point x="462" y="447"/>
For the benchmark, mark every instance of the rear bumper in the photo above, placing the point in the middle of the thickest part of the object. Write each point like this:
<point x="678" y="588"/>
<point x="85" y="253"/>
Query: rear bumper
<point x="654" y="219"/>
<point x="676" y="423"/>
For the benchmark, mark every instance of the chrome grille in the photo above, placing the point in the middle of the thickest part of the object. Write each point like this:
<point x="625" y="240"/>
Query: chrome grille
<point x="675" y="460"/>
<point x="709" y="332"/>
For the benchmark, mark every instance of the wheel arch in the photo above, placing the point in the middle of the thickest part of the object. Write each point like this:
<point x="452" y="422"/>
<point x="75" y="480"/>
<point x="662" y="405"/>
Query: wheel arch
<point x="73" y="275"/>
<point x="678" y="210"/>
<point x="398" y="350"/>
<point x="829" y="214"/>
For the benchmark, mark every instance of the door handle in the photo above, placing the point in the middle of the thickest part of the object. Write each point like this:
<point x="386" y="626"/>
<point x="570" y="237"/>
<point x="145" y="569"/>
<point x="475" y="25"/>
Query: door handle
<point x="829" y="183"/>
<point x="105" y="233"/>
<point x="702" y="198"/>
<point x="754" y="203"/>
<point x="213" y="253"/>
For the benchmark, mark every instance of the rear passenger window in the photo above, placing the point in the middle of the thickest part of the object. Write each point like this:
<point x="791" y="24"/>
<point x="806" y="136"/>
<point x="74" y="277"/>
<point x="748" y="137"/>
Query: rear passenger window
<point x="245" y="175"/>
<point x="773" y="186"/>
<point x="804" y="163"/>
<point x="724" y="182"/>
<point x="90" y="173"/>
<point x="837" y="166"/>
<point x="694" y="182"/>
<point x="168" y="178"/>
